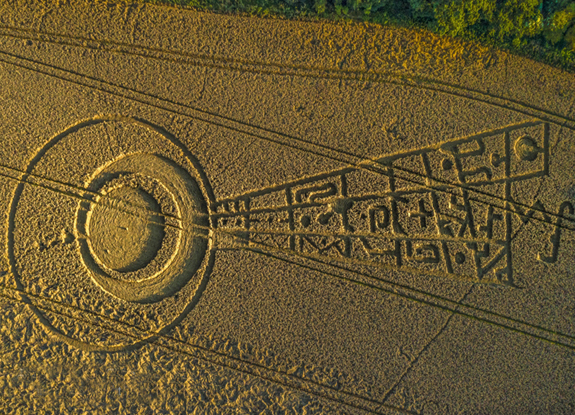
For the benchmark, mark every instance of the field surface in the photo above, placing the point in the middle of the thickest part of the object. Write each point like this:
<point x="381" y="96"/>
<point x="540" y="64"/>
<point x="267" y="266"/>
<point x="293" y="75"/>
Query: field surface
<point x="211" y="214"/>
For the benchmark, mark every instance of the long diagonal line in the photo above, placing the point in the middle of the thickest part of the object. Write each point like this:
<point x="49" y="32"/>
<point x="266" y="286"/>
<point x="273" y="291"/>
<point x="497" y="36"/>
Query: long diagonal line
<point x="239" y="126"/>
<point x="409" y="291"/>
<point x="393" y="286"/>
<point x="390" y="282"/>
<point x="263" y="367"/>
<point x="231" y="360"/>
<point x="427" y="273"/>
<point x="137" y="208"/>
<point x="254" y="66"/>
<point x="414" y="360"/>
<point x="144" y="209"/>
<point x="100" y="202"/>
<point x="143" y="101"/>
<point x="420" y="301"/>
<point x="351" y="261"/>
<point x="194" y="227"/>
<point x="525" y="214"/>
<point x="367" y="285"/>
<point x="378" y="166"/>
<point x="83" y="191"/>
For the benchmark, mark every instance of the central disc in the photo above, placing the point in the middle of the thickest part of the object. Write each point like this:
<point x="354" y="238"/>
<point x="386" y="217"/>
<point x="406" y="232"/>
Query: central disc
<point x="121" y="240"/>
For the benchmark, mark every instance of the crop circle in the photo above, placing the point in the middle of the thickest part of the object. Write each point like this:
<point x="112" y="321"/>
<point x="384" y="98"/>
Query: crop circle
<point x="526" y="148"/>
<point x="133" y="204"/>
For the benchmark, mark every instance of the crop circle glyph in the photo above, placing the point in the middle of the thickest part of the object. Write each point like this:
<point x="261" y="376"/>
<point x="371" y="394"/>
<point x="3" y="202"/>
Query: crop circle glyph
<point x="136" y="203"/>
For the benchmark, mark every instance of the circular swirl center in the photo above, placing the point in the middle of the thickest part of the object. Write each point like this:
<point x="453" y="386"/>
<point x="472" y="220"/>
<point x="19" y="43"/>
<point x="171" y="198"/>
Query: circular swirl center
<point x="126" y="240"/>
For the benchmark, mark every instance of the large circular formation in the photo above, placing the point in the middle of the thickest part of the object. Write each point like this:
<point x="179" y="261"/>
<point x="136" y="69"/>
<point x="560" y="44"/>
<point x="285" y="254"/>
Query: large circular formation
<point x="117" y="230"/>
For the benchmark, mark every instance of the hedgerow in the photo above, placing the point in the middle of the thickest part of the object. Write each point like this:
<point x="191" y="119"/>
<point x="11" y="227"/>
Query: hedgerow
<point x="542" y="29"/>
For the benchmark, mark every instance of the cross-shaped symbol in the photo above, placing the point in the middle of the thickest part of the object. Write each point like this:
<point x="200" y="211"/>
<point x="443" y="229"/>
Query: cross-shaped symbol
<point x="422" y="214"/>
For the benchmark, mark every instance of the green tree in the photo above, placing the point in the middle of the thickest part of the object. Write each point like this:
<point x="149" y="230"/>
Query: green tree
<point x="517" y="19"/>
<point x="561" y="25"/>
<point x="454" y="17"/>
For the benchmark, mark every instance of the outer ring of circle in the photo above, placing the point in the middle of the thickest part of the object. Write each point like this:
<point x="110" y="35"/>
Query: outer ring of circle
<point x="208" y="260"/>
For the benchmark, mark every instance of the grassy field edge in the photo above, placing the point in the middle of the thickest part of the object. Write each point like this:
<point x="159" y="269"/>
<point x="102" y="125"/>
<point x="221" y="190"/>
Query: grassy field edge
<point x="543" y="30"/>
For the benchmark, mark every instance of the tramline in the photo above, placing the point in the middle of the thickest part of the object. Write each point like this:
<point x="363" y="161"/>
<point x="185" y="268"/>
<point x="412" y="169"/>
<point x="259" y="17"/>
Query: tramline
<point x="450" y="209"/>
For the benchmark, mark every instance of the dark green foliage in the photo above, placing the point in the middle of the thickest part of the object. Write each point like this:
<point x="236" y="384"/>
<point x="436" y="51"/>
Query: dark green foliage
<point x="350" y="7"/>
<point x="455" y="17"/>
<point x="518" y="19"/>
<point x="543" y="29"/>
<point x="560" y="28"/>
